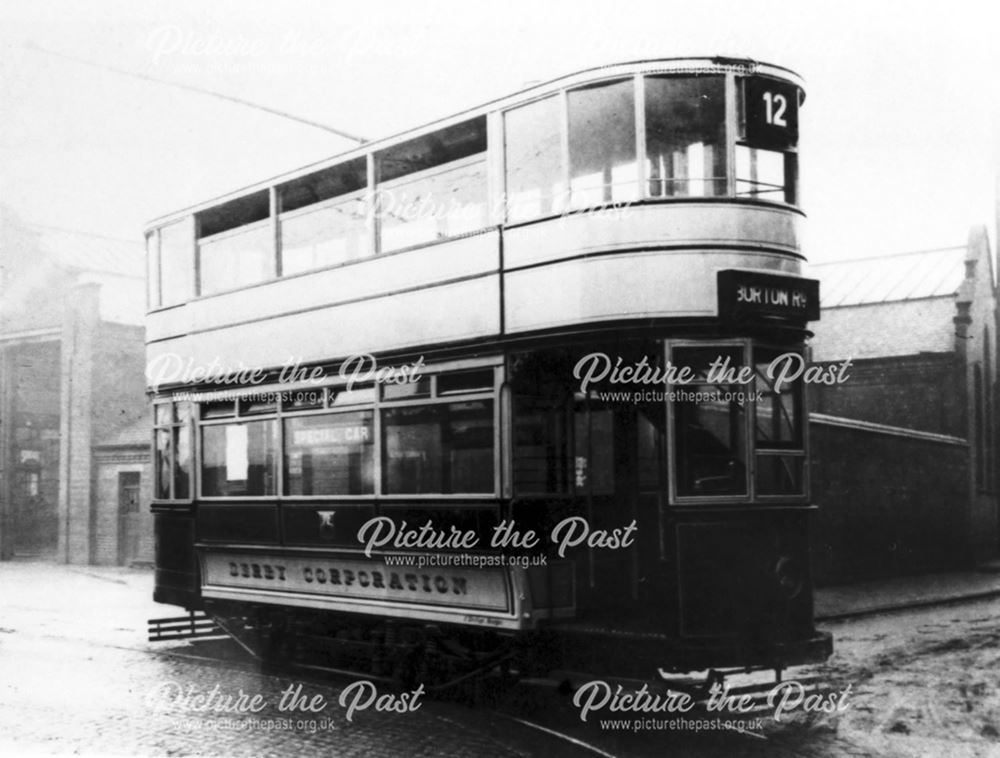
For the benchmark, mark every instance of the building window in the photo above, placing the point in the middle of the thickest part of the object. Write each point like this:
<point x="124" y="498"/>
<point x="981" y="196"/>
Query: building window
<point x="433" y="187"/>
<point x="172" y="451"/>
<point x="988" y="430"/>
<point x="602" y="166"/>
<point x="685" y="136"/>
<point x="239" y="459"/>
<point x="330" y="454"/>
<point x="980" y="422"/>
<point x="535" y="171"/>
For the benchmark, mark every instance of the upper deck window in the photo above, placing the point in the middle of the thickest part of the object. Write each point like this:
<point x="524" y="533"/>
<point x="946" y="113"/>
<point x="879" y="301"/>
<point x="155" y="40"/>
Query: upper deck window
<point x="534" y="158"/>
<point x="602" y="144"/>
<point x="685" y="136"/>
<point x="153" y="269"/>
<point x="174" y="260"/>
<point x="766" y="162"/>
<point x="433" y="187"/>
<point x="323" y="218"/>
<point x="235" y="244"/>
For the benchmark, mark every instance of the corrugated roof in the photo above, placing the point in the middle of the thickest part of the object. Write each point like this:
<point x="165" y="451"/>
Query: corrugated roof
<point x="891" y="278"/>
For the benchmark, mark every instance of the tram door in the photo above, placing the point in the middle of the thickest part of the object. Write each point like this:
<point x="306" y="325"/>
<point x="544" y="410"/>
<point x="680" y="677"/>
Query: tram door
<point x="129" y="525"/>
<point x="610" y="471"/>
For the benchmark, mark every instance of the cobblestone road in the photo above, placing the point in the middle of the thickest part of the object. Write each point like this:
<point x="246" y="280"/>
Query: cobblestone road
<point x="77" y="677"/>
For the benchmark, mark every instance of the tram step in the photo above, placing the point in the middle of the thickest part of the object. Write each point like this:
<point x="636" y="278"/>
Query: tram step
<point x="195" y="624"/>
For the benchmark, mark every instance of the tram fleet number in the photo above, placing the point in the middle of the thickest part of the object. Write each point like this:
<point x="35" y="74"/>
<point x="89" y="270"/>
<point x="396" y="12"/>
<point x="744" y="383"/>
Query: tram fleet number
<point x="771" y="113"/>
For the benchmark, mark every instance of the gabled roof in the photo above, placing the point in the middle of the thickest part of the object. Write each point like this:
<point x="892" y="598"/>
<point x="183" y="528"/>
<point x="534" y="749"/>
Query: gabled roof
<point x="891" y="278"/>
<point x="94" y="253"/>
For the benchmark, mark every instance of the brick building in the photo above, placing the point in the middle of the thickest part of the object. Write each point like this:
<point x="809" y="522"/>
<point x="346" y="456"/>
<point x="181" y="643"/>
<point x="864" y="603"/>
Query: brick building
<point x="903" y="453"/>
<point x="71" y="379"/>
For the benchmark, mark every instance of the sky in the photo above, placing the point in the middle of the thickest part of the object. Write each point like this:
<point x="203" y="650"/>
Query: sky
<point x="899" y="129"/>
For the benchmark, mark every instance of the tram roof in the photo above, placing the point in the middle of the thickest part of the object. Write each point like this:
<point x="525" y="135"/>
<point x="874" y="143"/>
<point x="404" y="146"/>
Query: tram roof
<point x="706" y="65"/>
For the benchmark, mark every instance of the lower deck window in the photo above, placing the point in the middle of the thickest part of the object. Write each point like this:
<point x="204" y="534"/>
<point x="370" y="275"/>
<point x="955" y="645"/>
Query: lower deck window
<point x="329" y="454"/>
<point x="239" y="459"/>
<point x="444" y="448"/>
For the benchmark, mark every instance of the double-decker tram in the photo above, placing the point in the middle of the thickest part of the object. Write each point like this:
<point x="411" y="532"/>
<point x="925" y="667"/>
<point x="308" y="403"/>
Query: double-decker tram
<point x="523" y="385"/>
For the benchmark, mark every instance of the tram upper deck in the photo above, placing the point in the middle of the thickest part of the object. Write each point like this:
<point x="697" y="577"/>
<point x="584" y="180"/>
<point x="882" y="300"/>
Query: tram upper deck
<point x="505" y="220"/>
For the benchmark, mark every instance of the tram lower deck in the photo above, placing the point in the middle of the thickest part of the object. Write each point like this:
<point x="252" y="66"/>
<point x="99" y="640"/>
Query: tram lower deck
<point x="561" y="498"/>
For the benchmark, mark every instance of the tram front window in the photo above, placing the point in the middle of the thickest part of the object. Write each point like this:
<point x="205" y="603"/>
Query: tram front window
<point x="709" y="426"/>
<point x="778" y="430"/>
<point x="534" y="160"/>
<point x="685" y="136"/>
<point x="602" y="144"/>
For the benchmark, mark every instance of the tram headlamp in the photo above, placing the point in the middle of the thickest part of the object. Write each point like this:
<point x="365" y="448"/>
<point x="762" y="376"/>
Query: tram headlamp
<point x="790" y="575"/>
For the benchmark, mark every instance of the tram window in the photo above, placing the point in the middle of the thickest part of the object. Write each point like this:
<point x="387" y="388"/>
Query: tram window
<point x="239" y="459"/>
<point x="353" y="396"/>
<point x="778" y="421"/>
<point x="152" y="270"/>
<point x="709" y="427"/>
<point x="218" y="409"/>
<point x="438" y="449"/>
<point x="176" y="264"/>
<point x="162" y="465"/>
<point x="235" y="259"/>
<point x="324" y="236"/>
<point x="651" y="421"/>
<point x="535" y="176"/>
<point x="602" y="144"/>
<point x="456" y="382"/>
<point x="541" y="446"/>
<point x="329" y="454"/>
<point x="407" y="390"/>
<point x="255" y="406"/>
<point x="172" y="451"/>
<point x="323" y="185"/>
<point x="164" y="413"/>
<point x="765" y="174"/>
<point x="685" y="136"/>
<point x="234" y="214"/>
<point x="433" y="187"/>
<point x="594" y="462"/>
<point x="302" y="400"/>
<point x="182" y="463"/>
<point x="780" y="475"/>
<point x="316" y="232"/>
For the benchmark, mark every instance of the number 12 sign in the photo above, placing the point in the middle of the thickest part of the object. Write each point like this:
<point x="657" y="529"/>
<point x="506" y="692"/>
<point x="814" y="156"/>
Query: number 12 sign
<point x="771" y="111"/>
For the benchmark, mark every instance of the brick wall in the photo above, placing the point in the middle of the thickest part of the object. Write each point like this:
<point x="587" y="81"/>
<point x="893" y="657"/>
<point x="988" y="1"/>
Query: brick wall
<point x="119" y="382"/>
<point x="76" y="437"/>
<point x="925" y="392"/>
<point x="889" y="505"/>
<point x="108" y="532"/>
